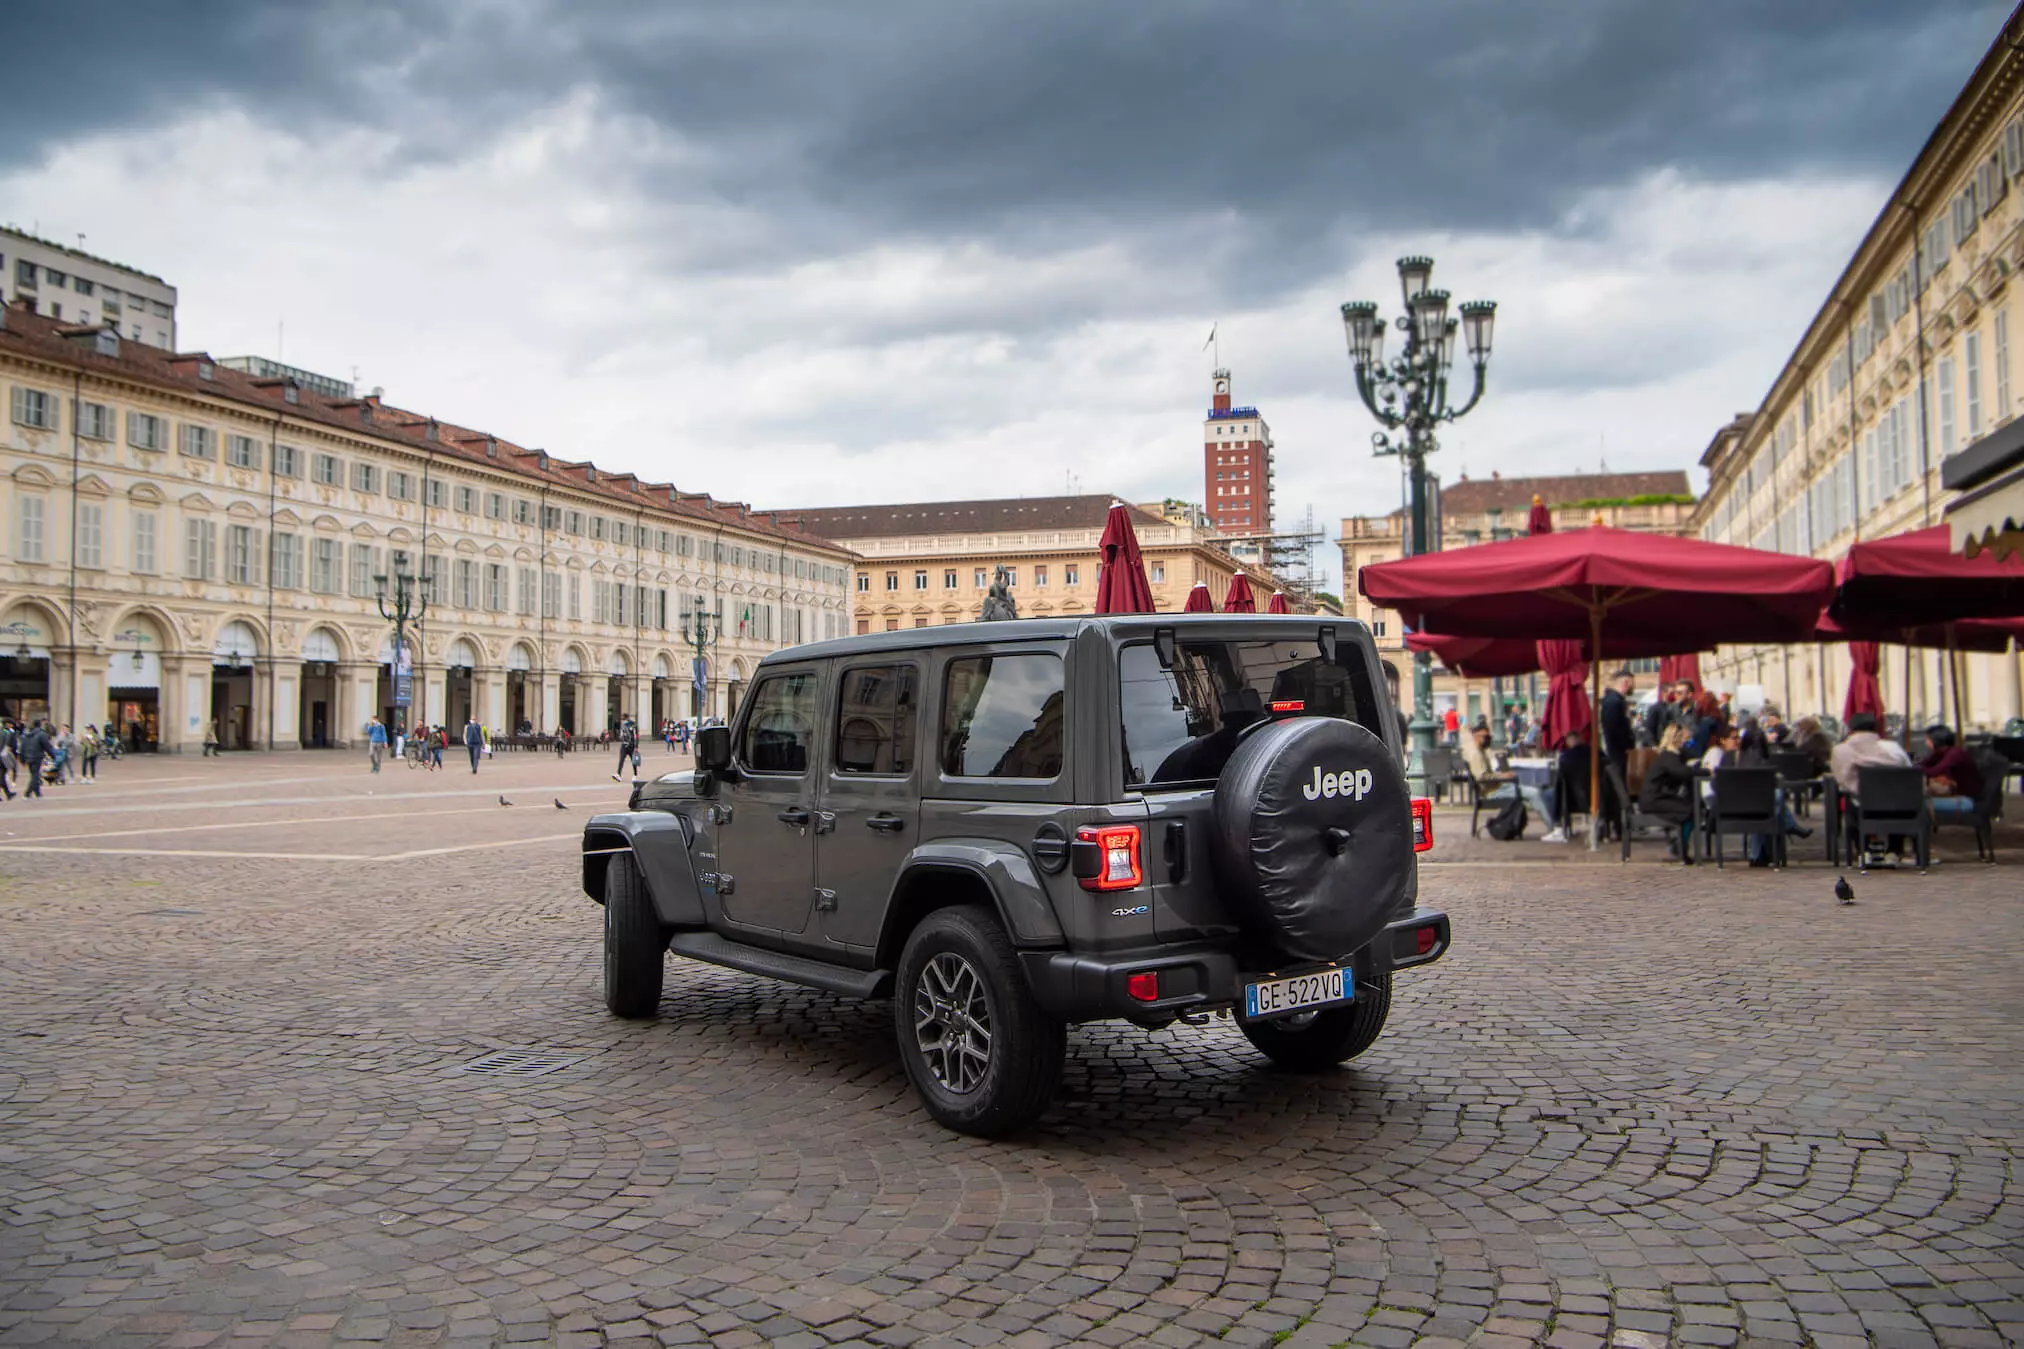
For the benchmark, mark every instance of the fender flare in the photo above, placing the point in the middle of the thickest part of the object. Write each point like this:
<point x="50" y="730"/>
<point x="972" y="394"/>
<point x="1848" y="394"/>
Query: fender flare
<point x="1007" y="873"/>
<point x="659" y="844"/>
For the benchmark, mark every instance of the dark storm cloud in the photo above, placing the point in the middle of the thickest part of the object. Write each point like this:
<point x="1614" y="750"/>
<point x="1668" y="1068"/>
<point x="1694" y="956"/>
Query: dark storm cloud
<point x="1033" y="121"/>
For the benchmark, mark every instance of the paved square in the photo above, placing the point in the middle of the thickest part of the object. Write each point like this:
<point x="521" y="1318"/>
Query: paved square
<point x="244" y="1005"/>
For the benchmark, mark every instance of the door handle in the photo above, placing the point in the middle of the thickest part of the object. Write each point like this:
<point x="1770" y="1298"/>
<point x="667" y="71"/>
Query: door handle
<point x="886" y="824"/>
<point x="795" y="815"/>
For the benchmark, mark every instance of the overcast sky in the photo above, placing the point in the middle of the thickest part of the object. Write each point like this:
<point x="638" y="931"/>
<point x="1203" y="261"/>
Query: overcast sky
<point x="814" y="253"/>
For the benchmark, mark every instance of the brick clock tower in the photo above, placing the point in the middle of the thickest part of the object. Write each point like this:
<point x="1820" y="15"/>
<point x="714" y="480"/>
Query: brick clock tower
<point x="1236" y="465"/>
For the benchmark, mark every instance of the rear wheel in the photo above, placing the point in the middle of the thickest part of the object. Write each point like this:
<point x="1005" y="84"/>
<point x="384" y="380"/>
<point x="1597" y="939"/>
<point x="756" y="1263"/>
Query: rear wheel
<point x="635" y="943"/>
<point x="1312" y="1041"/>
<point x="982" y="1054"/>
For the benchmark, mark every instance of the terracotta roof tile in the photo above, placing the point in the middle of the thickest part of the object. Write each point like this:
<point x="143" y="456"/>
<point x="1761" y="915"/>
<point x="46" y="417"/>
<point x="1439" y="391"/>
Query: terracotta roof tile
<point x="1474" y="495"/>
<point x="992" y="516"/>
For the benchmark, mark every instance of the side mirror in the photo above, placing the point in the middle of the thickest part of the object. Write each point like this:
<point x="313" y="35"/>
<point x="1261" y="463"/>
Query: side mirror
<point x="713" y="748"/>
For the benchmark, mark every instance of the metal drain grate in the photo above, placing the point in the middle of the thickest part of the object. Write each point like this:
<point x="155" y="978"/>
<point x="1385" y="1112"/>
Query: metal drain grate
<point x="519" y="1063"/>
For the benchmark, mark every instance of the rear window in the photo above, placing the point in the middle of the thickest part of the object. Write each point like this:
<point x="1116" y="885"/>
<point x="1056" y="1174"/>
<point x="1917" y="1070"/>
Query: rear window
<point x="1181" y="725"/>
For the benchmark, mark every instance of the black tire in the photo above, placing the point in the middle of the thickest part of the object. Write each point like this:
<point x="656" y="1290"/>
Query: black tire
<point x="1332" y="1037"/>
<point x="1022" y="1061"/>
<point x="635" y="943"/>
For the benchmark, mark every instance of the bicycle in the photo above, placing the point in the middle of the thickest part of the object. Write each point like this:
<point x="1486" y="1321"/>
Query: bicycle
<point x="416" y="753"/>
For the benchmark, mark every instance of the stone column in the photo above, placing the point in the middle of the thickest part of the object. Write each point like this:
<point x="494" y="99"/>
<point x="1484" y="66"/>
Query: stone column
<point x="91" y="685"/>
<point x="592" y="698"/>
<point x="547" y="701"/>
<point x="186" y="703"/>
<point x="284" y="705"/>
<point x="491" y="699"/>
<point x="436" y="700"/>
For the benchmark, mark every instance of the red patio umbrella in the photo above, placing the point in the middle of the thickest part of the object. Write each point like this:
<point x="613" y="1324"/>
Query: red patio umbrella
<point x="1278" y="604"/>
<point x="1864" y="693"/>
<point x="1540" y="521"/>
<point x="1121" y="585"/>
<point x="1567" y="707"/>
<point x="1199" y="601"/>
<point x="1502" y="657"/>
<point x="1240" y="600"/>
<point x="1600" y="583"/>
<point x="1672" y="669"/>
<point x="1916" y="579"/>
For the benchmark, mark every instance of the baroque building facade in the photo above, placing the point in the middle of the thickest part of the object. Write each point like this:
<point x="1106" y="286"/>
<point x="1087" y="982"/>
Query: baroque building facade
<point x="193" y="546"/>
<point x="924" y="564"/>
<point x="1912" y="356"/>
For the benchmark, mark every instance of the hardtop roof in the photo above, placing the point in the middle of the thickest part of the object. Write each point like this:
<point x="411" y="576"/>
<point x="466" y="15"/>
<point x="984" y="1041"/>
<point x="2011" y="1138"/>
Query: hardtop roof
<point x="1057" y="629"/>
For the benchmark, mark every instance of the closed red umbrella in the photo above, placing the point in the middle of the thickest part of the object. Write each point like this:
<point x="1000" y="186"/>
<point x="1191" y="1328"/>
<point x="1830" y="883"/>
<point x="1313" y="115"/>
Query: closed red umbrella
<point x="1278" y="604"/>
<point x="1121" y="585"/>
<point x="1567" y="708"/>
<point x="1672" y="669"/>
<point x="1540" y="521"/>
<point x="1240" y="600"/>
<point x="1199" y="601"/>
<point x="1602" y="583"/>
<point x="1864" y="693"/>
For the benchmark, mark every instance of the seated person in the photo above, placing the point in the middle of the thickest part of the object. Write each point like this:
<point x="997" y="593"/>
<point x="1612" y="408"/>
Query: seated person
<point x="1668" y="787"/>
<point x="1953" y="779"/>
<point x="1809" y="738"/>
<point x="1571" y="791"/>
<point x="1863" y="748"/>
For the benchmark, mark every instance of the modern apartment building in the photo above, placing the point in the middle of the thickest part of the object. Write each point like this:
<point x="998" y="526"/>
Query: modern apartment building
<point x="189" y="545"/>
<point x="928" y="563"/>
<point x="71" y="286"/>
<point x="1912" y="355"/>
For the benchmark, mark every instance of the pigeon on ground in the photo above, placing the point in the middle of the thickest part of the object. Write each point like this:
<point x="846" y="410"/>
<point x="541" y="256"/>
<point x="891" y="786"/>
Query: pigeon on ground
<point x="504" y="802"/>
<point x="559" y="805"/>
<point x="1843" y="891"/>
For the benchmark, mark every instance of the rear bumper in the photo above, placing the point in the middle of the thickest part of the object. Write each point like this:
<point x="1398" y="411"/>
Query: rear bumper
<point x="1078" y="986"/>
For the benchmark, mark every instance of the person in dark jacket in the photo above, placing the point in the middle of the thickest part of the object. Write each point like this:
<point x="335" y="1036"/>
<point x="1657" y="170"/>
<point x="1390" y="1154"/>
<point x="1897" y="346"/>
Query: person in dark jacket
<point x="1810" y="738"/>
<point x="628" y="747"/>
<point x="474" y="740"/>
<point x="1618" y="735"/>
<point x="1668" y="791"/>
<point x="1953" y="779"/>
<point x="35" y="747"/>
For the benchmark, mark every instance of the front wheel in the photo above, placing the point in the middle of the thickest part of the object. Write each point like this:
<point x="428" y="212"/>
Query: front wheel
<point x="1310" y="1042"/>
<point x="982" y="1054"/>
<point x="635" y="943"/>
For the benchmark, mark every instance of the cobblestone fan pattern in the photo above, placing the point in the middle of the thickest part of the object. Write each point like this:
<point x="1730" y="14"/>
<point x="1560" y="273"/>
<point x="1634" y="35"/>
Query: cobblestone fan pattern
<point x="1637" y="1106"/>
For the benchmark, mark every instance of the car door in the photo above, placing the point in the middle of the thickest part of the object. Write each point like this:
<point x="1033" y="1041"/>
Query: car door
<point x="870" y="809"/>
<point x="766" y="849"/>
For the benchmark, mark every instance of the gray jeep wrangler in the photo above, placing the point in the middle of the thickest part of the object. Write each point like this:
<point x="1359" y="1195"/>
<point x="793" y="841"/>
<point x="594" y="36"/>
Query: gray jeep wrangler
<point x="1007" y="827"/>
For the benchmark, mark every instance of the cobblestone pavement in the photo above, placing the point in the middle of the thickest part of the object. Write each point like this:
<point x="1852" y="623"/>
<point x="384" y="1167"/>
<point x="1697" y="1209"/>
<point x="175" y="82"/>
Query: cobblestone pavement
<point x="1638" y="1105"/>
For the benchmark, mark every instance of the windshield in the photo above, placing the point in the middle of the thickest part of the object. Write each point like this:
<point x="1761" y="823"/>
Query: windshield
<point x="1181" y="725"/>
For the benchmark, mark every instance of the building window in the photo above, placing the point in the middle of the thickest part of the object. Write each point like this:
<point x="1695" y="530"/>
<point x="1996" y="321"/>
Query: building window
<point x="326" y="470"/>
<point x="364" y="566"/>
<point x="364" y="477"/>
<point x="920" y="579"/>
<point x="242" y="451"/>
<point x="526" y="593"/>
<point x="467" y="500"/>
<point x="523" y="512"/>
<point x="198" y="442"/>
<point x="90" y="535"/>
<point x="324" y="565"/>
<point x="1158" y="573"/>
<point x="597" y="528"/>
<point x="2002" y="354"/>
<point x="495" y="505"/>
<point x="1039" y="576"/>
<point x="200" y="550"/>
<point x="287" y="461"/>
<point x="24" y="273"/>
<point x="146" y="555"/>
<point x="1946" y="380"/>
<point x="949" y="579"/>
<point x="1071" y="574"/>
<point x="94" y="421"/>
<point x="572" y="523"/>
<point x="33" y="407"/>
<point x="438" y="492"/>
<point x="285" y="563"/>
<point x="551" y="595"/>
<point x="82" y="286"/>
<point x="863" y="581"/>
<point x="400" y="486"/>
<point x="242" y="555"/>
<point x="575" y="597"/>
<point x="495" y="587"/>
<point x="892" y="580"/>
<point x="982" y="579"/>
<point x="30" y="544"/>
<point x="1971" y="373"/>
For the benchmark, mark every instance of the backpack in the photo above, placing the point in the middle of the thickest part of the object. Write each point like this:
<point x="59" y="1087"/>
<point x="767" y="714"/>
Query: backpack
<point x="1509" y="821"/>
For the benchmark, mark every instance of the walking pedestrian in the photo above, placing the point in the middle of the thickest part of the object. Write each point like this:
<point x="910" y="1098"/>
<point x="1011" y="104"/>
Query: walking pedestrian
<point x="35" y="747"/>
<point x="66" y="755"/>
<point x="88" y="747"/>
<point x="439" y="740"/>
<point x="211" y="739"/>
<point x="10" y="739"/>
<point x="474" y="740"/>
<point x="628" y="747"/>
<point x="376" y="742"/>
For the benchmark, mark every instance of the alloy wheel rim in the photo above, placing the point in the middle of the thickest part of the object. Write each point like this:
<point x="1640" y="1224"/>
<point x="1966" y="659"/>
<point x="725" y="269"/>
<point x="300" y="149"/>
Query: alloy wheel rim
<point x="952" y="1022"/>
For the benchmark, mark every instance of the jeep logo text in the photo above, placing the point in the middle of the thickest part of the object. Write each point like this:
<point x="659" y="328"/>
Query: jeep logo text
<point x="1353" y="785"/>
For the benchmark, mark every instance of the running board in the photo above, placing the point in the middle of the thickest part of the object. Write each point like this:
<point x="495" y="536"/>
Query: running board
<point x="715" y="950"/>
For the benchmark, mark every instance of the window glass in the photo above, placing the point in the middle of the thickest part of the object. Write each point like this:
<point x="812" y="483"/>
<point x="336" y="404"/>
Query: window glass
<point x="875" y="722"/>
<point x="1001" y="717"/>
<point x="781" y="725"/>
<point x="1181" y="725"/>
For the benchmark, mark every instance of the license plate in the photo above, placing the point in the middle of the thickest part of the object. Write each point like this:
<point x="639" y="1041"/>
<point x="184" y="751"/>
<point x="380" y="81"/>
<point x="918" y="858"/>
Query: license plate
<point x="1296" y="993"/>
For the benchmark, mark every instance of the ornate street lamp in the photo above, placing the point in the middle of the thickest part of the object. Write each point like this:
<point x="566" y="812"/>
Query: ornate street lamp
<point x="702" y="630"/>
<point x="1409" y="397"/>
<point x="409" y="604"/>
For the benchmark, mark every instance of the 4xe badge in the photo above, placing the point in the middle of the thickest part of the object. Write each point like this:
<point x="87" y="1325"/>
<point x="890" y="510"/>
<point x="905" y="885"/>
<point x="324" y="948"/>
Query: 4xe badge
<point x="1132" y="912"/>
<point x="1353" y="785"/>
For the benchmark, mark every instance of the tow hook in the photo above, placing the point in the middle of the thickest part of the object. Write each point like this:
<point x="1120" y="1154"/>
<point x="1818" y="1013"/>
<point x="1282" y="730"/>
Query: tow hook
<point x="1197" y="1018"/>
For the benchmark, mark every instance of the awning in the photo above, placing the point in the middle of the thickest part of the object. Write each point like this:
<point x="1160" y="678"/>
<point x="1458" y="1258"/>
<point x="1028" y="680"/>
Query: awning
<point x="236" y="646"/>
<point x="1990" y="516"/>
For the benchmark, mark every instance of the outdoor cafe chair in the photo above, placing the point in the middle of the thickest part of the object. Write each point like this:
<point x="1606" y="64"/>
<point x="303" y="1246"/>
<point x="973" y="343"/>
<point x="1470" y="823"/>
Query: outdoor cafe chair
<point x="1988" y="806"/>
<point x="1745" y="802"/>
<point x="1634" y="822"/>
<point x="1796" y="774"/>
<point x="1890" y="801"/>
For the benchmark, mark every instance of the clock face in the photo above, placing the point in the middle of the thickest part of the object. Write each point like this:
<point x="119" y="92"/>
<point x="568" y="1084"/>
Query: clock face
<point x="1222" y="386"/>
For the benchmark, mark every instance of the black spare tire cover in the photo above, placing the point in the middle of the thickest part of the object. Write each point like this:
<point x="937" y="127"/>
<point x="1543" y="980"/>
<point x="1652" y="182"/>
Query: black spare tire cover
<point x="1314" y="835"/>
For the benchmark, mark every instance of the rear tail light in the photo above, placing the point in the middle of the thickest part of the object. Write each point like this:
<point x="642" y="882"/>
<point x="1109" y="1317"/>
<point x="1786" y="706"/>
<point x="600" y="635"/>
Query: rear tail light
<point x="1143" y="986"/>
<point x="1106" y="857"/>
<point x="1423" y="823"/>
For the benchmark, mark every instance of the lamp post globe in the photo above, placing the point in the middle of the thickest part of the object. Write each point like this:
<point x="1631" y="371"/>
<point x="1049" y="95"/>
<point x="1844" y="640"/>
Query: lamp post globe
<point x="1409" y="398"/>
